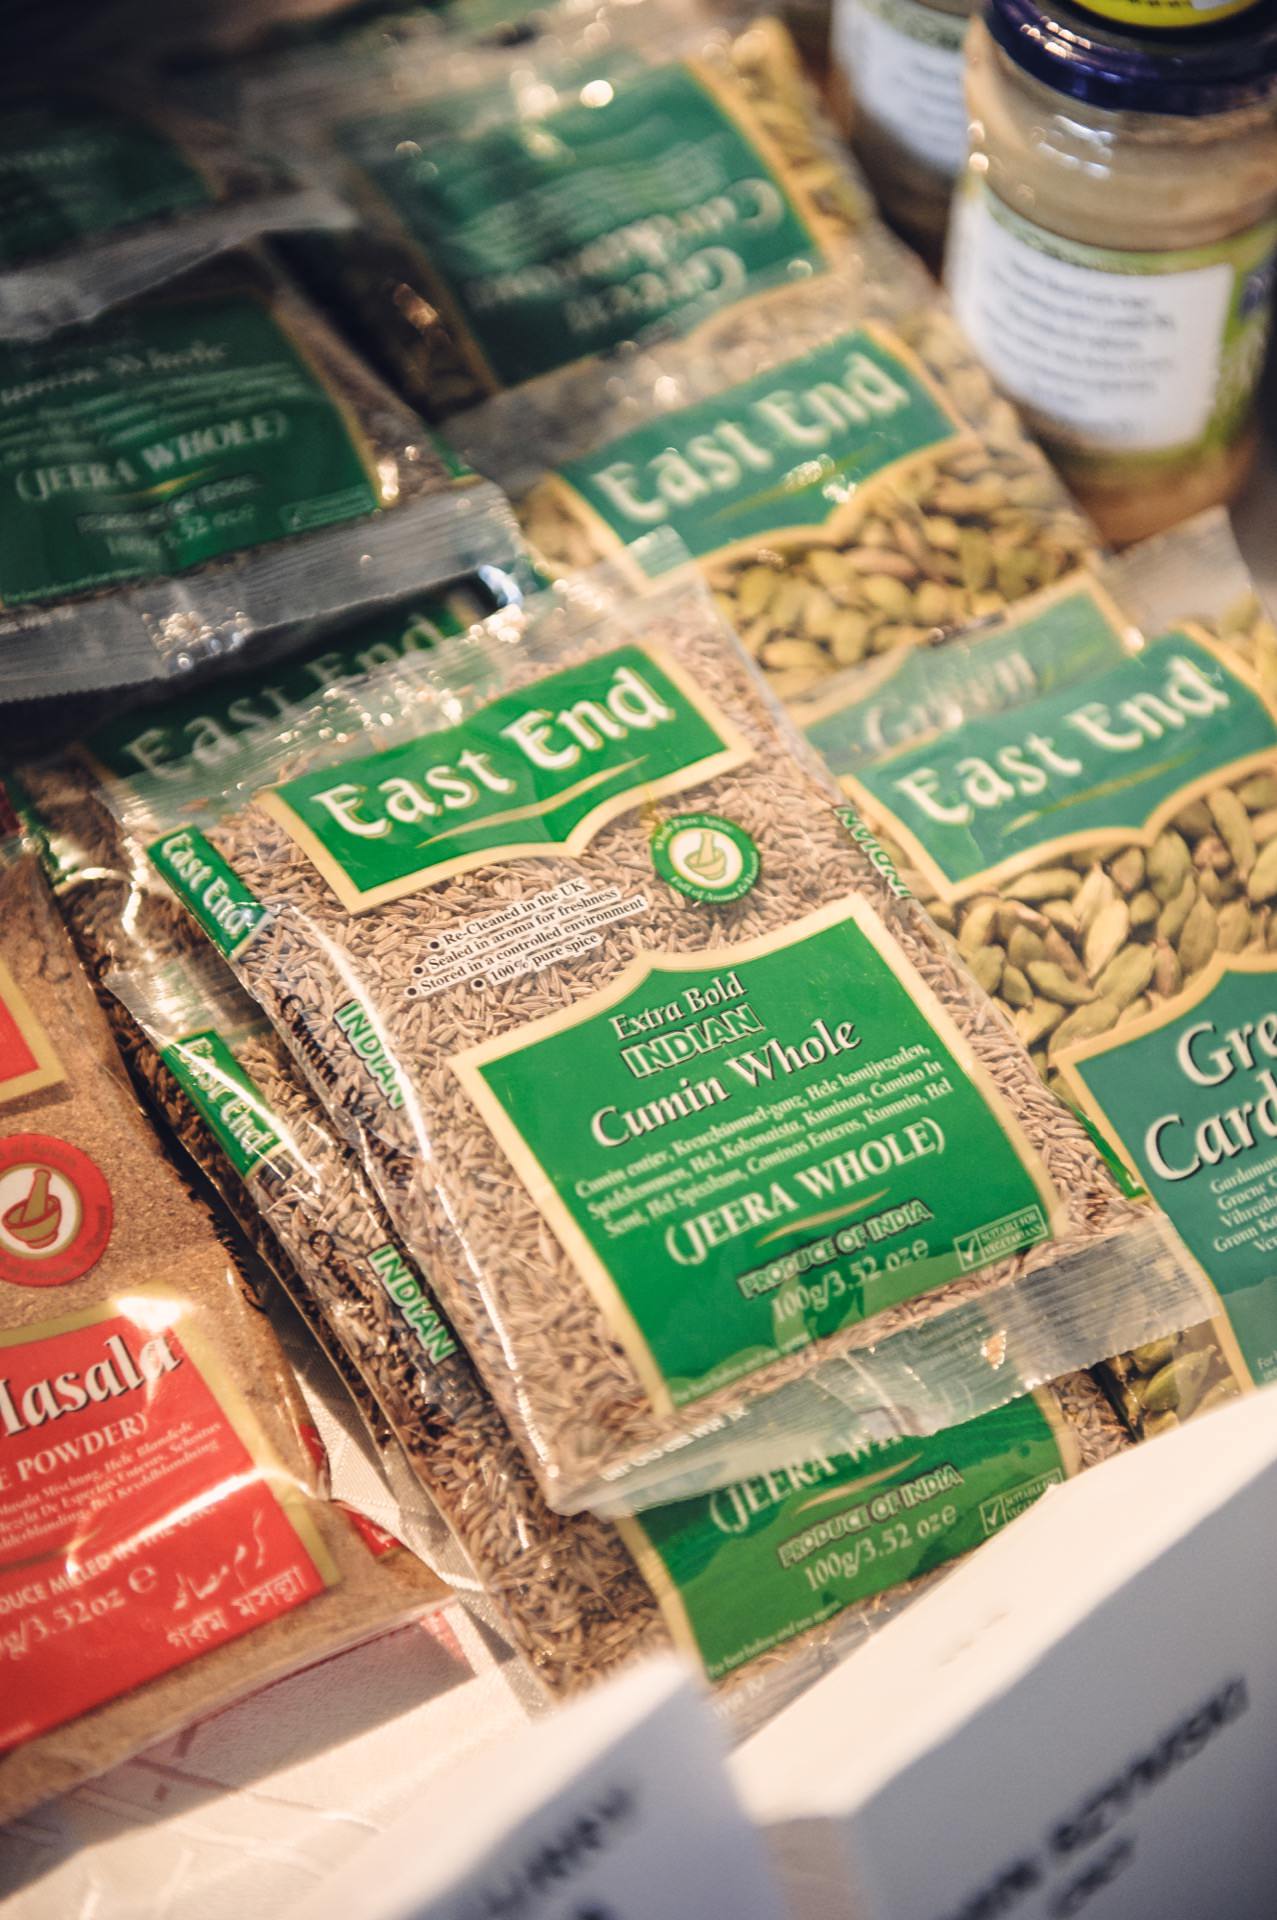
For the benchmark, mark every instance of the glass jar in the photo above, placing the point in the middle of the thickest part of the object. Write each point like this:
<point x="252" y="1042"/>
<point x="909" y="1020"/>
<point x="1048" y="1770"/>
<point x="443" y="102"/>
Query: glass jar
<point x="897" y="68"/>
<point x="808" y="21"/>
<point x="1113" y="246"/>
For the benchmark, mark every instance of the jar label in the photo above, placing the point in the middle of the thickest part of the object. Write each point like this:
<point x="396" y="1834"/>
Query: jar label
<point x="751" y="1566"/>
<point x="755" y="1152"/>
<point x="1115" y="355"/>
<point x="905" y="65"/>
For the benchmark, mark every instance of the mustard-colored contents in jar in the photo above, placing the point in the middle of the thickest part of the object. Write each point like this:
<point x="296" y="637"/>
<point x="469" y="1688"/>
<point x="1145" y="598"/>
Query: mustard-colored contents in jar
<point x="1113" y="252"/>
<point x="1162" y="16"/>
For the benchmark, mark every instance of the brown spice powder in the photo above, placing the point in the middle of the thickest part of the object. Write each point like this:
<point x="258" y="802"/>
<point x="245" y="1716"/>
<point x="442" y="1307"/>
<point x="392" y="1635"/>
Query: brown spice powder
<point x="161" y="1259"/>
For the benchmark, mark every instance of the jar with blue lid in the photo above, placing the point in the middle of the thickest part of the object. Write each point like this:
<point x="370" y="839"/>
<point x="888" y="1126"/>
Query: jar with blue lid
<point x="1114" y="246"/>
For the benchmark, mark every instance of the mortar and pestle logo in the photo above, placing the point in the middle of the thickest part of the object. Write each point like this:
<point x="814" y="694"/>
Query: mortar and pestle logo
<point x="36" y="1220"/>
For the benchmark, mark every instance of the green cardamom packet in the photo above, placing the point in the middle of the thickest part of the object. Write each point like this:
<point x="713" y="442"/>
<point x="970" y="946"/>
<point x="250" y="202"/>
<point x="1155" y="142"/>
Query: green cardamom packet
<point x="1104" y="856"/>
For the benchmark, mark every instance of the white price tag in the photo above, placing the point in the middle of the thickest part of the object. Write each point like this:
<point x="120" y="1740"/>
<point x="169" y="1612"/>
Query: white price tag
<point x="1081" y="1721"/>
<point x="618" y="1808"/>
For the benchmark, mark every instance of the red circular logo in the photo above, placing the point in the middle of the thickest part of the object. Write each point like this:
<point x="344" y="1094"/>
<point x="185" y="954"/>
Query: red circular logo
<point x="55" y="1211"/>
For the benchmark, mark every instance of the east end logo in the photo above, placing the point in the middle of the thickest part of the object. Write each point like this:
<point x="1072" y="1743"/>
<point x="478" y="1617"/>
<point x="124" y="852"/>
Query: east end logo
<point x="55" y="1211"/>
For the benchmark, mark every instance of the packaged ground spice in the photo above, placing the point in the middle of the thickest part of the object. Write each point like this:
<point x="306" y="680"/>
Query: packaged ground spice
<point x="205" y="468"/>
<point x="573" y="1595"/>
<point x="844" y="478"/>
<point x="163" y="1549"/>
<point x="530" y="209"/>
<point x="103" y="201"/>
<point x="636" y="1041"/>
<point x="1100" y="855"/>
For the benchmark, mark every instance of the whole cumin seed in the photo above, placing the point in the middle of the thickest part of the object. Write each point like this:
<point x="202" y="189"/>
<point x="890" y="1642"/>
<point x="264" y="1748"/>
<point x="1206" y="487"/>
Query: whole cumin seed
<point x="562" y="1382"/>
<point x="566" y="1590"/>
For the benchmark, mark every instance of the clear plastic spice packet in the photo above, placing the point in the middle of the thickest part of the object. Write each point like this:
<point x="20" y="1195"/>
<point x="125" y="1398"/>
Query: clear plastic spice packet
<point x="843" y="476"/>
<point x="204" y="469"/>
<point x="531" y="209"/>
<point x="1100" y="855"/>
<point x="566" y="1591"/>
<point x="1057" y="638"/>
<point x="104" y="201"/>
<point x="636" y="1042"/>
<point x="162" y="1546"/>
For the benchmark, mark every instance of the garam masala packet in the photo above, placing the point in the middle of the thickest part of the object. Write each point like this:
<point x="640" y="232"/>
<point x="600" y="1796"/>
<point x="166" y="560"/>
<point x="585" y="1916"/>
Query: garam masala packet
<point x="1104" y="856"/>
<point x="162" y="1548"/>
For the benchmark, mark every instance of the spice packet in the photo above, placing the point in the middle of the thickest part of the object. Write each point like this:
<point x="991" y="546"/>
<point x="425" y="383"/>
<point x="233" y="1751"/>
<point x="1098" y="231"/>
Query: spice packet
<point x="103" y="201"/>
<point x="1086" y="622"/>
<point x="843" y="475"/>
<point x="204" y="469"/>
<point x="1098" y="852"/>
<point x="527" y="211"/>
<point x="164" y="1548"/>
<point x="1053" y="639"/>
<point x="571" y="1594"/>
<point x="767" y="1582"/>
<point x="598" y="876"/>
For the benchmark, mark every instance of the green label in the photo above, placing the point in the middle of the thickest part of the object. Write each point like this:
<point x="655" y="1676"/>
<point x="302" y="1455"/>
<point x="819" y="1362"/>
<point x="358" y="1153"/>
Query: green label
<point x="560" y="236"/>
<point x="167" y="751"/>
<point x="541" y="768"/>
<point x="753" y="1565"/>
<point x="366" y="1044"/>
<point x="784" y="452"/>
<point x="209" y="888"/>
<point x="159" y="438"/>
<point x="1040" y="649"/>
<point x="67" y="172"/>
<point x="401" y="1285"/>
<point x="1189" y="1094"/>
<point x="1118" y="756"/>
<point x="705" y="856"/>
<point x="750" y="1154"/>
<point x="225" y="1096"/>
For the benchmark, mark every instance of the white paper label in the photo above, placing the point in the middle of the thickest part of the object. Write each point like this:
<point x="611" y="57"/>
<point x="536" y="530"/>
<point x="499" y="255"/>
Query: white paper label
<point x="617" y="1808"/>
<point x="1127" y="361"/>
<point x="1086" y="1710"/>
<point x="904" y="62"/>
